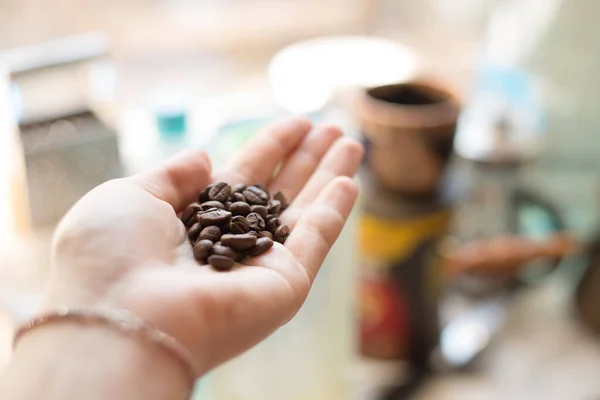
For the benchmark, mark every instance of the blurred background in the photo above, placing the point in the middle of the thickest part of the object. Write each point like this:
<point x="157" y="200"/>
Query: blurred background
<point x="471" y="266"/>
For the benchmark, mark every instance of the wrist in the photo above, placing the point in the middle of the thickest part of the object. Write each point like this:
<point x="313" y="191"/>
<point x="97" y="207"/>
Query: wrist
<point x="128" y="298"/>
<point x="77" y="361"/>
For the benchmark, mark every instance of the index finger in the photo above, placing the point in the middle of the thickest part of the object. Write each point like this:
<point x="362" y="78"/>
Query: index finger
<point x="258" y="159"/>
<point x="321" y="224"/>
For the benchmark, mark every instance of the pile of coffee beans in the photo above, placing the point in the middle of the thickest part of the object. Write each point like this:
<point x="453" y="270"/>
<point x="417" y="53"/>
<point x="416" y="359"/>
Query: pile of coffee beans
<point x="227" y="224"/>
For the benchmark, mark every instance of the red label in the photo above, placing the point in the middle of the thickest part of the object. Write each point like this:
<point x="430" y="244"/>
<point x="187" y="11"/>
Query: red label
<point x="384" y="319"/>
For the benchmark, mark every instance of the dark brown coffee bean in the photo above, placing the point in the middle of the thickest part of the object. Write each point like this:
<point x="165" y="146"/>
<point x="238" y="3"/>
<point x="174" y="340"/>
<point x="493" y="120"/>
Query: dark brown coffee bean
<point x="272" y="224"/>
<point x="240" y="208"/>
<point x="202" y="250"/>
<point x="202" y="212"/>
<point x="281" y="234"/>
<point x="274" y="206"/>
<point x="255" y="195"/>
<point x="239" y="188"/>
<point x="256" y="222"/>
<point x="214" y="217"/>
<point x="221" y="263"/>
<point x="207" y="205"/>
<point x="190" y="212"/>
<point x="261" y="187"/>
<point x="262" y="234"/>
<point x="279" y="196"/>
<point x="260" y="210"/>
<point x="254" y="233"/>
<point x="220" y="250"/>
<point x="194" y="231"/>
<point x="238" y="224"/>
<point x="190" y="222"/>
<point x="238" y="197"/>
<point x="203" y="196"/>
<point x="212" y="233"/>
<point x="220" y="192"/>
<point x="227" y="205"/>
<point x="239" y="255"/>
<point x="239" y="242"/>
<point x="262" y="245"/>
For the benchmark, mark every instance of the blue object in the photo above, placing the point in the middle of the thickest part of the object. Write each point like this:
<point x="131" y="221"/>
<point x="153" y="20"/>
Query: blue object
<point x="519" y="89"/>
<point x="172" y="125"/>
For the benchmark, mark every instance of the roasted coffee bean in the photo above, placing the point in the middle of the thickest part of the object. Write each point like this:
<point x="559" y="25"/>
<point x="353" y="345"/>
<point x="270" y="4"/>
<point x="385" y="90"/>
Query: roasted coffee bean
<point x="281" y="234"/>
<point x="212" y="233"/>
<point x="279" y="196"/>
<point x="190" y="222"/>
<point x="221" y="263"/>
<point x="238" y="197"/>
<point x="255" y="195"/>
<point x="194" y="231"/>
<point x="207" y="205"/>
<point x="202" y="249"/>
<point x="238" y="224"/>
<point x="239" y="242"/>
<point x="260" y="210"/>
<point x="256" y="222"/>
<point x="205" y="211"/>
<point x="274" y="206"/>
<point x="239" y="255"/>
<point x="262" y="245"/>
<point x="203" y="196"/>
<point x="272" y="224"/>
<point x="229" y="223"/>
<point x="190" y="212"/>
<point x="262" y="234"/>
<point x="240" y="208"/>
<point x="261" y="187"/>
<point x="239" y="188"/>
<point x="220" y="192"/>
<point x="220" y="250"/>
<point x="214" y="217"/>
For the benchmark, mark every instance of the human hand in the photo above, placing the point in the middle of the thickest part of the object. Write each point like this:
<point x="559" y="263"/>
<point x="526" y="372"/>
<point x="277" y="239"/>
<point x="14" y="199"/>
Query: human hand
<point x="122" y="245"/>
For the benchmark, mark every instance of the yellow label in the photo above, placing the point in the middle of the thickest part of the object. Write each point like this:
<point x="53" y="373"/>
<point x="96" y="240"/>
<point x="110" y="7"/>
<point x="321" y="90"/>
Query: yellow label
<point x="388" y="240"/>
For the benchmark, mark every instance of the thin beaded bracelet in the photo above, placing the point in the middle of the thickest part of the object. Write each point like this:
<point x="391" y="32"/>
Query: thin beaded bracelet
<point x="123" y="321"/>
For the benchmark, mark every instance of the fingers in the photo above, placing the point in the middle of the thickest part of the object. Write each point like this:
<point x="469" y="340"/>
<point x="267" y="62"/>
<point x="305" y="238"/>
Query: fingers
<point x="296" y="171"/>
<point x="257" y="161"/>
<point x="177" y="180"/>
<point x="321" y="224"/>
<point x="342" y="159"/>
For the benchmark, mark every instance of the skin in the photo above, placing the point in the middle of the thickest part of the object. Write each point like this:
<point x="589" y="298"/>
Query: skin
<point x="123" y="246"/>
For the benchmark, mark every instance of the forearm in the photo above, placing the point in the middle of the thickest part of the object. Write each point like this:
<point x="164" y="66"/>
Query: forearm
<point x="69" y="361"/>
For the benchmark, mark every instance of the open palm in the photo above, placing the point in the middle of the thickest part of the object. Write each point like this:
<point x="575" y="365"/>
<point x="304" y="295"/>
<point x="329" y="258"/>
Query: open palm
<point x="123" y="246"/>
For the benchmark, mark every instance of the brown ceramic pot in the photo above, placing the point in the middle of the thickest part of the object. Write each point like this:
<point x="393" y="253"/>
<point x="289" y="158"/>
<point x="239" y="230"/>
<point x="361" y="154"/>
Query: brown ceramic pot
<point x="409" y="130"/>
